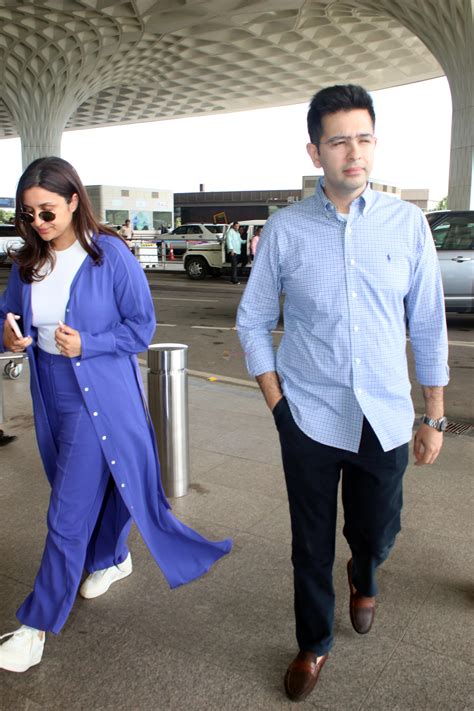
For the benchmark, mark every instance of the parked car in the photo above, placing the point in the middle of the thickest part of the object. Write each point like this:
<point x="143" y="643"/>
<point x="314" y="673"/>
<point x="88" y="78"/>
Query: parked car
<point x="217" y="229"/>
<point x="9" y="239"/>
<point x="453" y="234"/>
<point x="211" y="258"/>
<point x="192" y="233"/>
<point x="198" y="231"/>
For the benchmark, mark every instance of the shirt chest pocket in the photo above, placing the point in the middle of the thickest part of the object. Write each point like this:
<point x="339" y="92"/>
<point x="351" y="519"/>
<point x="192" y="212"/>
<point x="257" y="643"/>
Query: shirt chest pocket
<point x="387" y="271"/>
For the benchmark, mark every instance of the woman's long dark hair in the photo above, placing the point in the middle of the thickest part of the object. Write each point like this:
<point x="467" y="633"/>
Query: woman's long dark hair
<point x="57" y="176"/>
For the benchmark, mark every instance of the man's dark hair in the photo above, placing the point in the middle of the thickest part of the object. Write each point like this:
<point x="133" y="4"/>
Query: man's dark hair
<point x="342" y="97"/>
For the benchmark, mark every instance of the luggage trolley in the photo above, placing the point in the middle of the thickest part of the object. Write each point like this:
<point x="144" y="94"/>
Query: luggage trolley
<point x="12" y="369"/>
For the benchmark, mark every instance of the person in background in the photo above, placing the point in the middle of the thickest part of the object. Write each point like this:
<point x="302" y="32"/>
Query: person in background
<point x="234" y="246"/>
<point x="126" y="232"/>
<point x="338" y="384"/>
<point x="243" y="256"/>
<point x="87" y="312"/>
<point x="254" y="242"/>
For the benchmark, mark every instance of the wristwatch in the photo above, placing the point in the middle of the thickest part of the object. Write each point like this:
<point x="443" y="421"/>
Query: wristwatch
<point x="440" y="424"/>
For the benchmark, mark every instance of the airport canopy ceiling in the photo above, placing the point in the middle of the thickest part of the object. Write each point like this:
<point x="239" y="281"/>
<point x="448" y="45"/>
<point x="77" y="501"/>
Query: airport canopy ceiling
<point x="86" y="63"/>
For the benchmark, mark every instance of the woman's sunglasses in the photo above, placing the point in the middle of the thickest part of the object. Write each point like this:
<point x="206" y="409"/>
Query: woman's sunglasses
<point x="45" y="215"/>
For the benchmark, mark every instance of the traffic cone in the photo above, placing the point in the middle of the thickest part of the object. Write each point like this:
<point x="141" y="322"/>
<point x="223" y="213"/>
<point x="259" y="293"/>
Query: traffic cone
<point x="171" y="252"/>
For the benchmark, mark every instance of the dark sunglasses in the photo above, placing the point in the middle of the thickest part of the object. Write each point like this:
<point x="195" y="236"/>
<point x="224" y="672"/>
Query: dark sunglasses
<point x="45" y="215"/>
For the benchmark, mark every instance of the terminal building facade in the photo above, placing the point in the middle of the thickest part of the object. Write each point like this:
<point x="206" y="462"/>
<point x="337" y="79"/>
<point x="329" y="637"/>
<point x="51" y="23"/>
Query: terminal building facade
<point x="146" y="208"/>
<point x="227" y="206"/>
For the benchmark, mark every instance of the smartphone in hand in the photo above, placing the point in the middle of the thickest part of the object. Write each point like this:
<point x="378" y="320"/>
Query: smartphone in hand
<point x="14" y="325"/>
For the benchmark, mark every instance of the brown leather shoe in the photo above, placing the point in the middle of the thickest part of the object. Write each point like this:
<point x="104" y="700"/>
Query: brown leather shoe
<point x="361" y="609"/>
<point x="302" y="675"/>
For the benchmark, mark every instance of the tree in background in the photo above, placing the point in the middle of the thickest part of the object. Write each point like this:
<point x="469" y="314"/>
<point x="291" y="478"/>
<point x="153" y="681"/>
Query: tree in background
<point x="443" y="204"/>
<point x="5" y="215"/>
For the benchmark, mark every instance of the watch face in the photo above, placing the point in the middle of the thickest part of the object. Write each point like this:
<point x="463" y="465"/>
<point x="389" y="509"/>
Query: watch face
<point x="440" y="424"/>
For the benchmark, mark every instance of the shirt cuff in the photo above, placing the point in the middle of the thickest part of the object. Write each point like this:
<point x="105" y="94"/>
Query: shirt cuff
<point x="260" y="363"/>
<point x="433" y="376"/>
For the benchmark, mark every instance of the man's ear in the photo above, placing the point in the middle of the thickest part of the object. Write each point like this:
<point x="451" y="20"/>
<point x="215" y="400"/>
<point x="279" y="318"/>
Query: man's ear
<point x="313" y="153"/>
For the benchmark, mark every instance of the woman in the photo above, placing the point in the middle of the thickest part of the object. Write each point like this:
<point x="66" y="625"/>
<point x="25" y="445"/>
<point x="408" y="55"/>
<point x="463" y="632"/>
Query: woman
<point x="86" y="311"/>
<point x="254" y="242"/>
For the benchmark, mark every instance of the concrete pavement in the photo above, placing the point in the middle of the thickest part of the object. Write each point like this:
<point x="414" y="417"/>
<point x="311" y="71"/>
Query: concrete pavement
<point x="224" y="642"/>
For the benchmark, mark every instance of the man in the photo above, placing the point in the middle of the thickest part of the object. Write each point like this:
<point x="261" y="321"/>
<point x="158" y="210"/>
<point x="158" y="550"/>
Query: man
<point x="234" y="245"/>
<point x="126" y="232"/>
<point x="6" y="439"/>
<point x="356" y="268"/>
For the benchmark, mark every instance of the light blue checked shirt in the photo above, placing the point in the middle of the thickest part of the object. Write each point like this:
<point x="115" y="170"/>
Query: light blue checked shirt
<point x="351" y="288"/>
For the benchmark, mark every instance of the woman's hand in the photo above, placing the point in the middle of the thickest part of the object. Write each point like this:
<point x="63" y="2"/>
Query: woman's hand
<point x="68" y="341"/>
<point x="11" y="342"/>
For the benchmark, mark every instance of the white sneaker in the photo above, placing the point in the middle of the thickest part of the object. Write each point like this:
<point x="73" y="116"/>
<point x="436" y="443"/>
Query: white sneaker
<point x="99" y="582"/>
<point x="23" y="650"/>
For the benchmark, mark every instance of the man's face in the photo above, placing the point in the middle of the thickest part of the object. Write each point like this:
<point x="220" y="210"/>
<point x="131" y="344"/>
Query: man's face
<point x="346" y="152"/>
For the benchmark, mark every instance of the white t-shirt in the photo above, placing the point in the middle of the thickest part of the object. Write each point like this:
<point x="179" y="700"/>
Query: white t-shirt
<point x="50" y="295"/>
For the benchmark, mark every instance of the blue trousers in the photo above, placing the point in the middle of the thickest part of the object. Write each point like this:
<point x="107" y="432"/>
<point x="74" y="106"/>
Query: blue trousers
<point x="82" y="492"/>
<point x="372" y="499"/>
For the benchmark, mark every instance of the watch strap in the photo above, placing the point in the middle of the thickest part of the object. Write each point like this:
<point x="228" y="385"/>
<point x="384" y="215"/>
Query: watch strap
<point x="438" y="424"/>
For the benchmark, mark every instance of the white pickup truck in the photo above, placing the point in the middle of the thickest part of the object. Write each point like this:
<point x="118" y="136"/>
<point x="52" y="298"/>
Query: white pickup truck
<point x="212" y="258"/>
<point x="9" y="239"/>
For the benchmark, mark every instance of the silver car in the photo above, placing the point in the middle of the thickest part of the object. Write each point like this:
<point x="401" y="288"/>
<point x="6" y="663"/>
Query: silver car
<point x="9" y="240"/>
<point x="453" y="234"/>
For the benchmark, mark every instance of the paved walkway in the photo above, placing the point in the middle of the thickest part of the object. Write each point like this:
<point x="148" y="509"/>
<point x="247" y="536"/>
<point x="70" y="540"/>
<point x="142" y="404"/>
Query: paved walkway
<point x="224" y="642"/>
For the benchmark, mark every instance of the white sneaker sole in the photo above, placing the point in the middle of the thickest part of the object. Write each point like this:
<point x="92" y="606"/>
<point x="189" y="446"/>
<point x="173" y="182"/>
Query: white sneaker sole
<point x="101" y="591"/>
<point x="20" y="668"/>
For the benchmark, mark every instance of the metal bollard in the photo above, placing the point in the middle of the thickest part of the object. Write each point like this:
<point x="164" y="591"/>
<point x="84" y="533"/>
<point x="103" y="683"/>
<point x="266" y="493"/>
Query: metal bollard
<point x="168" y="403"/>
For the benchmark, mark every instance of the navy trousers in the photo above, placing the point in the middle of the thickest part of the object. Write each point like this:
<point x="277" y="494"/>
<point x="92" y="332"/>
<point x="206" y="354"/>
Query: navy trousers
<point x="234" y="263"/>
<point x="372" y="500"/>
<point x="82" y="490"/>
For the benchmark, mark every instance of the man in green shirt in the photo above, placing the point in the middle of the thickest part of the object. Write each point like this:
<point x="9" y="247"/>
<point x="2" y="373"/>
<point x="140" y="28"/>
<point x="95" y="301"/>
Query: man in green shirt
<point x="233" y="242"/>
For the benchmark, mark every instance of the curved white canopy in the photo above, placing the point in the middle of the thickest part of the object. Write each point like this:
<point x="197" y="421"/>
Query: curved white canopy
<point x="68" y="64"/>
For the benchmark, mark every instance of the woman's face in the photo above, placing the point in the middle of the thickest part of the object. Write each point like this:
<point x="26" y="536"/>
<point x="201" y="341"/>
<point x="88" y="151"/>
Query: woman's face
<point x="60" y="231"/>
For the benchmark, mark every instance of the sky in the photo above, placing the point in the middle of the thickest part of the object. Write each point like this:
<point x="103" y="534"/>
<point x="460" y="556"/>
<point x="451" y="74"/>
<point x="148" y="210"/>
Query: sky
<point x="263" y="149"/>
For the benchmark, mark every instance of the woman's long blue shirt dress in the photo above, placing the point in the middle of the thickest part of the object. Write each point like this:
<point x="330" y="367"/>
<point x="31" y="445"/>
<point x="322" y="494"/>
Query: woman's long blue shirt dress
<point x="111" y="306"/>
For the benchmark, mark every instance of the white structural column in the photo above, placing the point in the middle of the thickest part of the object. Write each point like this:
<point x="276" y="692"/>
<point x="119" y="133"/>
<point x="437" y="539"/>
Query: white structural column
<point x="53" y="58"/>
<point x="41" y="125"/>
<point x="461" y="170"/>
<point x="453" y="47"/>
<point x="447" y="28"/>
